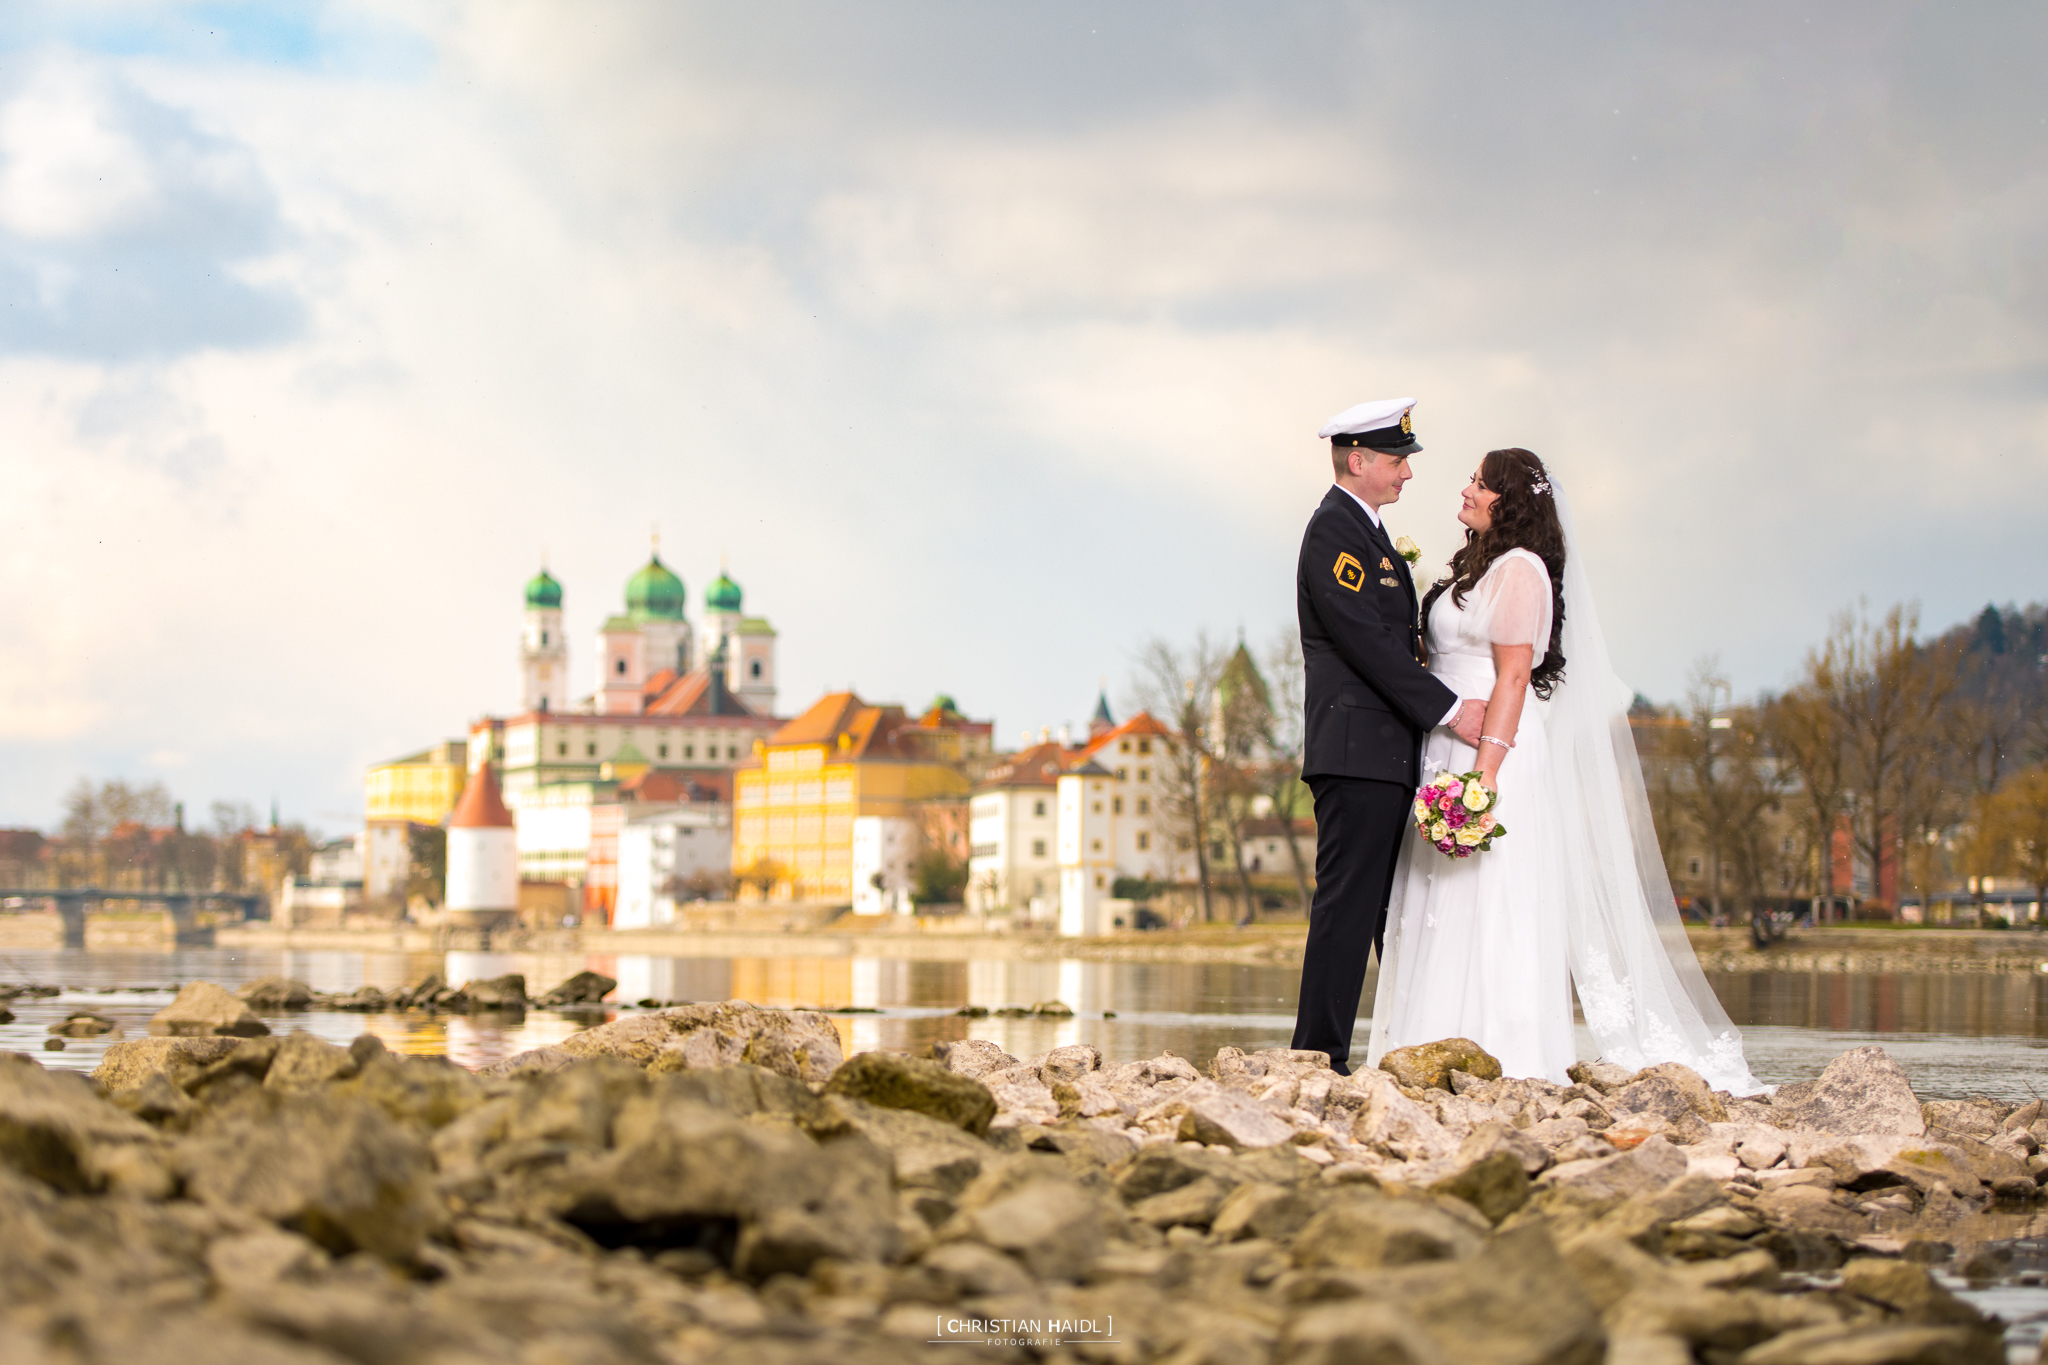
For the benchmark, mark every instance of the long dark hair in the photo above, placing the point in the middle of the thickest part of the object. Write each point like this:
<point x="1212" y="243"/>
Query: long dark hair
<point x="1523" y="519"/>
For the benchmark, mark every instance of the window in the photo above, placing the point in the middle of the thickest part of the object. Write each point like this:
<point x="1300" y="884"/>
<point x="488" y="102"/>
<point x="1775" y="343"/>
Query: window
<point x="1122" y="773"/>
<point x="986" y="850"/>
<point x="1144" y="774"/>
<point x="619" y="666"/>
<point x="1144" y="841"/>
<point x="561" y="751"/>
<point x="1038" y="807"/>
<point x="1144" y="805"/>
<point x="590" y="751"/>
<point x="1116" y="806"/>
<point x="1038" y="848"/>
<point x="663" y="751"/>
<point x="543" y="639"/>
<point x="1098" y="808"/>
<point x="689" y="751"/>
<point x="732" y="751"/>
<point x="1693" y="867"/>
<point x="754" y="669"/>
<point x="1099" y="881"/>
<point x="1785" y="844"/>
<point x="1144" y="746"/>
<point x="1095" y="845"/>
<point x="1123" y="746"/>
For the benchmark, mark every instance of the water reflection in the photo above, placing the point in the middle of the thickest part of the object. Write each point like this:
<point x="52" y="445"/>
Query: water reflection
<point x="1956" y="1034"/>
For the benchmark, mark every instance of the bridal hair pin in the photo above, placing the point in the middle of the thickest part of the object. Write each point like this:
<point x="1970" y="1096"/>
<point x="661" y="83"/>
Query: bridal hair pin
<point x="1542" y="485"/>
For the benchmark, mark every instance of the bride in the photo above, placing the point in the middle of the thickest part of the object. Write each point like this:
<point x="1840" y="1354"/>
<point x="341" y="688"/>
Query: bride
<point x="1575" y="894"/>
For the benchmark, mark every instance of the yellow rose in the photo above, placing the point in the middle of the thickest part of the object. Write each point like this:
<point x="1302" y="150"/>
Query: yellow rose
<point x="1421" y="810"/>
<point x="1470" y="835"/>
<point x="1476" y="797"/>
<point x="1437" y="832"/>
<point x="1407" y="549"/>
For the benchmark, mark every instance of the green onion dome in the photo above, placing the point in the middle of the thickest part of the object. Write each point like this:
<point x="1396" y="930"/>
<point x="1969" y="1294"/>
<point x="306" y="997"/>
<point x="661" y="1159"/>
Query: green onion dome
<point x="655" y="594"/>
<point x="722" y="596"/>
<point x="543" y="591"/>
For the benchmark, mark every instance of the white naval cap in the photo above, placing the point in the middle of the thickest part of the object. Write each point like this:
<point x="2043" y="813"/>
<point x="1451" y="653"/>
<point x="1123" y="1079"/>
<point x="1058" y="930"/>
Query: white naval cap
<point x="1382" y="424"/>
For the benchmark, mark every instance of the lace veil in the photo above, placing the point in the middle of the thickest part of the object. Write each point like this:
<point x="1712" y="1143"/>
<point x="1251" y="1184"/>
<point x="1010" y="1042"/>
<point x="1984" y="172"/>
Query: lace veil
<point x="1639" y="983"/>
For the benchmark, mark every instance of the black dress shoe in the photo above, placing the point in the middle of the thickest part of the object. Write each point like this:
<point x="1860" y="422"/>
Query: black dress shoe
<point x="1340" y="1066"/>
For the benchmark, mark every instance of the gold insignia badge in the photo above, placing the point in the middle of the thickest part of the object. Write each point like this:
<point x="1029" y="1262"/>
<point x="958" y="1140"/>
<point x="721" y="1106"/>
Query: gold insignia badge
<point x="1386" y="563"/>
<point x="1350" y="573"/>
<point x="1407" y="427"/>
<point x="1390" y="582"/>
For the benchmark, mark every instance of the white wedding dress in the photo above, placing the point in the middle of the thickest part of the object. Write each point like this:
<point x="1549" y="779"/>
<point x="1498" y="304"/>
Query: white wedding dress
<point x="1574" y="895"/>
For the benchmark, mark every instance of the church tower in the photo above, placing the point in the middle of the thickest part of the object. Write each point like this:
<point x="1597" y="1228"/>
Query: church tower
<point x="543" y="649"/>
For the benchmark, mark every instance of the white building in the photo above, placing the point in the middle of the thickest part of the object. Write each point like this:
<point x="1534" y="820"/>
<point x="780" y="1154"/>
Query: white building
<point x="1109" y="822"/>
<point x="884" y="848"/>
<point x="543" y="649"/>
<point x="659" y="851"/>
<point x="483" y="852"/>
<point x="1264" y="849"/>
<point x="1013" y="833"/>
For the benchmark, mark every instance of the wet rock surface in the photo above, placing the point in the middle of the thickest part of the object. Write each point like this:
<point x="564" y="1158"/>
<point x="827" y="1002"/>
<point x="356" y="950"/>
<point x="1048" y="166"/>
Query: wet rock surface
<point x="715" y="1183"/>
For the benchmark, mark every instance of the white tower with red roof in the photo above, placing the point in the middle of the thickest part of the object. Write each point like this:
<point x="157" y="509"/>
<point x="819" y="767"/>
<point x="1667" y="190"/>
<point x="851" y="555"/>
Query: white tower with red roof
<point x="483" y="850"/>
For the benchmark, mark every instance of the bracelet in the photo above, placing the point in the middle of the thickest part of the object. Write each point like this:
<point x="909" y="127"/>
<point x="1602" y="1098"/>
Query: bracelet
<point x="1504" y="743"/>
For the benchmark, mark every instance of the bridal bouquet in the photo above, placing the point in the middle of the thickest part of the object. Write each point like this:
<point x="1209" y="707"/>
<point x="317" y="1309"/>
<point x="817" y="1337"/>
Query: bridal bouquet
<point x="1455" y="814"/>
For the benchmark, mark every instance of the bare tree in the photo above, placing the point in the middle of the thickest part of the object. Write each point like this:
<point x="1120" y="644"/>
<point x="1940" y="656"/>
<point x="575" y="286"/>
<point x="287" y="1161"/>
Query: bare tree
<point x="1805" y="730"/>
<point x="2017" y="827"/>
<point x="1729" y="783"/>
<point x="1287" y="794"/>
<point x="1177" y="685"/>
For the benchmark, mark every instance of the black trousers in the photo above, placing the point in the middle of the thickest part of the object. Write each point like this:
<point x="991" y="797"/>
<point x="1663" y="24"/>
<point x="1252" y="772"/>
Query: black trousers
<point x="1359" y="824"/>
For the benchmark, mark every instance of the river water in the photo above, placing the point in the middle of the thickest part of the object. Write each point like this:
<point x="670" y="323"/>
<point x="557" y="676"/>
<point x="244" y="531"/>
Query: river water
<point x="1956" y="1034"/>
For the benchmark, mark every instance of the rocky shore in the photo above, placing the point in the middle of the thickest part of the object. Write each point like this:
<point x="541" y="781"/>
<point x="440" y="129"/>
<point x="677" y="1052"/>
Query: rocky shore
<point x="716" y="1183"/>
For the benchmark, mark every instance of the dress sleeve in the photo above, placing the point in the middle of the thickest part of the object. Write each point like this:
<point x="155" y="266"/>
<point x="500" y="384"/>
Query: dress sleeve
<point x="1511" y="604"/>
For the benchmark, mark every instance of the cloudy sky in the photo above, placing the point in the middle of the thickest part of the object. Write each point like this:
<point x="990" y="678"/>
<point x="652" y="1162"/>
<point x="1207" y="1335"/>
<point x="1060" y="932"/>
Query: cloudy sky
<point x="984" y="342"/>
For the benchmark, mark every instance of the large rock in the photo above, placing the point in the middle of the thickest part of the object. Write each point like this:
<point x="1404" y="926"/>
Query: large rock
<point x="1640" y="1171"/>
<point x="1863" y="1091"/>
<point x="1428" y="1066"/>
<point x="1368" y="1231"/>
<point x="276" y="993"/>
<point x="334" y="1168"/>
<point x="974" y="1057"/>
<point x="56" y="1129"/>
<point x="1489" y="1172"/>
<point x="799" y="1043"/>
<point x="1036" y="1211"/>
<point x="1356" y="1332"/>
<point x="894" y="1081"/>
<point x="507" y="992"/>
<point x="1208" y="1113"/>
<point x="584" y="988"/>
<point x="128" y="1064"/>
<point x="202" y="1010"/>
<point x="1392" y="1124"/>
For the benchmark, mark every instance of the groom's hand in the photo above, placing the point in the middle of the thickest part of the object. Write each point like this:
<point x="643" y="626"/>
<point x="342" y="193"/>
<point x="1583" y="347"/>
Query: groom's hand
<point x="1471" y="717"/>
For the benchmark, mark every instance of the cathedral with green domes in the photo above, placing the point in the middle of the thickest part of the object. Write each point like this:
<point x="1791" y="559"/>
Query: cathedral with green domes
<point x="651" y="656"/>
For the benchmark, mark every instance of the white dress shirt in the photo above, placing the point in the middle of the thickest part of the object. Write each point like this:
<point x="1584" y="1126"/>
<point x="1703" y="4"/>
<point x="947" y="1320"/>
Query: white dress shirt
<point x="1373" y="513"/>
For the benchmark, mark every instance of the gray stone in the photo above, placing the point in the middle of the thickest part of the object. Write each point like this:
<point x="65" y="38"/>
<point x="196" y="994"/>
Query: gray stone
<point x="1262" y="1209"/>
<point x="1488" y="1173"/>
<point x="55" y="1128"/>
<point x="799" y="1043"/>
<point x="1367" y="1232"/>
<point x="507" y="992"/>
<point x="1228" y="1118"/>
<point x="1642" y="1170"/>
<point x="974" y="1057"/>
<point x="85" y="1024"/>
<point x="1069" y="1063"/>
<point x="1357" y="1333"/>
<point x="1604" y="1077"/>
<point x="334" y="1168"/>
<point x="1863" y="1091"/>
<point x="132" y="1061"/>
<point x="1428" y="1066"/>
<point x="1037" y="1213"/>
<point x="584" y="988"/>
<point x="1862" y="1345"/>
<point x="203" y="1009"/>
<point x="303" y="1062"/>
<point x="1397" y="1126"/>
<point x="276" y="993"/>
<point x="895" y="1081"/>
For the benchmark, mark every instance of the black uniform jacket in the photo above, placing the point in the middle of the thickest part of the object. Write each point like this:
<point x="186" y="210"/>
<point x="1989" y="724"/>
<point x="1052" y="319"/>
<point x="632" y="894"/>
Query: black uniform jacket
<point x="1369" y="701"/>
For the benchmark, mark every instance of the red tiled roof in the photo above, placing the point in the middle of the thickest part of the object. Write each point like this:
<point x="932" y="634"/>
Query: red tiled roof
<point x="482" y="805"/>
<point x="1038" y="766"/>
<point x="1140" y="724"/>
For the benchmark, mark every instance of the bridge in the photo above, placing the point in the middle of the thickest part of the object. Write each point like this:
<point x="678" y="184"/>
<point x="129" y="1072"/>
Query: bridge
<point x="73" y="903"/>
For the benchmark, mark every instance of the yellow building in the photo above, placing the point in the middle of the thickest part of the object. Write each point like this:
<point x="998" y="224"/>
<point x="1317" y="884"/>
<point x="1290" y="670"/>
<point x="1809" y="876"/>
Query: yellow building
<point x="421" y="787"/>
<point x="794" y="805"/>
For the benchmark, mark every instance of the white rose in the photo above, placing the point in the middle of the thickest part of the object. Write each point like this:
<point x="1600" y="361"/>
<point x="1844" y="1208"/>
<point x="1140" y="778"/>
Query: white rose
<point x="1407" y="549"/>
<point x="1470" y="835"/>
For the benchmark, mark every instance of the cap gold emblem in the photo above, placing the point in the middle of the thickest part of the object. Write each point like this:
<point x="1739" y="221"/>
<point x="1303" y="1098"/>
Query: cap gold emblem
<point x="1350" y="573"/>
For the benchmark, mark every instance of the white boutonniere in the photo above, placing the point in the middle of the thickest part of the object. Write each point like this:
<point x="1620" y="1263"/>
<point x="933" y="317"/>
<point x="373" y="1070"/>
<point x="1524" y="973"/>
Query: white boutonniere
<point x="1408" y="549"/>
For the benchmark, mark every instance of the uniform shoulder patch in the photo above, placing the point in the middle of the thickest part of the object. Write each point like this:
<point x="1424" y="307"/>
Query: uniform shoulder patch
<point x="1350" y="573"/>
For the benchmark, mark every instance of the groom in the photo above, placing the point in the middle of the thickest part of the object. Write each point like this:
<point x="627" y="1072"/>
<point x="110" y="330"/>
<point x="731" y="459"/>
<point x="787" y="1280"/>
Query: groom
<point x="1369" y="703"/>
